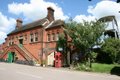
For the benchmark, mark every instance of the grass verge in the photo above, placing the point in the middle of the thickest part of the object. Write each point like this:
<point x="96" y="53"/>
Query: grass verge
<point x="103" y="68"/>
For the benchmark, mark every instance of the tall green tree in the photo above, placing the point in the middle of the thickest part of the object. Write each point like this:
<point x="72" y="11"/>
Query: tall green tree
<point x="111" y="46"/>
<point x="85" y="35"/>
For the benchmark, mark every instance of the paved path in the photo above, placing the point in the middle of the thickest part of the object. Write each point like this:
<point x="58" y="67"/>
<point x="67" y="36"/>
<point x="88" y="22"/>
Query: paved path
<point x="13" y="71"/>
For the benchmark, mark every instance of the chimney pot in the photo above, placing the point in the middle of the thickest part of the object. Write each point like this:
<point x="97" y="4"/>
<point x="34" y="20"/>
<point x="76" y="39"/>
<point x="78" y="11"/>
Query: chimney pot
<point x="19" y="23"/>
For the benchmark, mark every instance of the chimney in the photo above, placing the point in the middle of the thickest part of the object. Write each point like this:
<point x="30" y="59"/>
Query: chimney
<point x="50" y="14"/>
<point x="18" y="23"/>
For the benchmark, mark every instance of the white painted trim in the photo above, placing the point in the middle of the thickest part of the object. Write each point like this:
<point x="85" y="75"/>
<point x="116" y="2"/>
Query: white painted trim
<point x="49" y="25"/>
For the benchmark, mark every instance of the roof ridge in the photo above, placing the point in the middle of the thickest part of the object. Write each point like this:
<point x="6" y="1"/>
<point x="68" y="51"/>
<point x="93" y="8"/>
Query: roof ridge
<point x="34" y="21"/>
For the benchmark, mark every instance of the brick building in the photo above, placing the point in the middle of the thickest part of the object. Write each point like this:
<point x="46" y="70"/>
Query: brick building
<point x="33" y="41"/>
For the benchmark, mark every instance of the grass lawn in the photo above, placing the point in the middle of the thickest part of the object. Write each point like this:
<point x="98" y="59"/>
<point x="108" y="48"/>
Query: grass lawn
<point x="104" y="68"/>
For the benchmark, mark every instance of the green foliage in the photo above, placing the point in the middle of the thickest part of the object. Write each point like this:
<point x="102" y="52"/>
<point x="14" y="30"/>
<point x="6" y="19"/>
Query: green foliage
<point x="85" y="35"/>
<point x="93" y="56"/>
<point x="61" y="43"/>
<point x="97" y="67"/>
<point x="111" y="46"/>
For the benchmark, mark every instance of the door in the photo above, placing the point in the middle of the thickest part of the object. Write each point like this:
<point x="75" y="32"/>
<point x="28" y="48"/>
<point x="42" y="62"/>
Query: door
<point x="51" y="59"/>
<point x="11" y="57"/>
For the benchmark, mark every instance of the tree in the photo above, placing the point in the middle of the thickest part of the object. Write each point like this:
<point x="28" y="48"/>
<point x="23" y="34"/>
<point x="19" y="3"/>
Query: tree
<point x="62" y="44"/>
<point x="85" y="35"/>
<point x="111" y="46"/>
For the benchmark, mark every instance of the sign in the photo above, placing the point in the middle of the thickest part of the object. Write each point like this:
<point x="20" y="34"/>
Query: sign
<point x="60" y="49"/>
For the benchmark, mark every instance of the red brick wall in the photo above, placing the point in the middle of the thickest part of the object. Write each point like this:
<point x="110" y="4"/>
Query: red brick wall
<point x="35" y="48"/>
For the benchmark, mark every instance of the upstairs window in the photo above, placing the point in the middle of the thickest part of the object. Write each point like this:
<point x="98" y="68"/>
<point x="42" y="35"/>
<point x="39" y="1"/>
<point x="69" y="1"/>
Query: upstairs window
<point x="36" y="36"/>
<point x="57" y="36"/>
<point x="53" y="37"/>
<point x="48" y="37"/>
<point x="25" y="36"/>
<point x="31" y="38"/>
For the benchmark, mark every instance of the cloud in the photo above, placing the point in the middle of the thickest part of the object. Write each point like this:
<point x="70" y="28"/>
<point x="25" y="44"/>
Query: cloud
<point x="6" y="25"/>
<point x="101" y="9"/>
<point x="80" y="18"/>
<point x="105" y="8"/>
<point x="36" y="9"/>
<point x="2" y="37"/>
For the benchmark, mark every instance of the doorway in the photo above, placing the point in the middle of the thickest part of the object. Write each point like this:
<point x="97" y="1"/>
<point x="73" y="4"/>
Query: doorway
<point x="11" y="57"/>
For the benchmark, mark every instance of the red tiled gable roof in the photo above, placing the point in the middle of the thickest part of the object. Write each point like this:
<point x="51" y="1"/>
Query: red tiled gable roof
<point x="29" y="26"/>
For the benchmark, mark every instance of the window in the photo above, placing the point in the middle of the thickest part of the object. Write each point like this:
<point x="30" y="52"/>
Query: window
<point x="53" y="36"/>
<point x="57" y="36"/>
<point x="12" y="43"/>
<point x="16" y="37"/>
<point x="36" y="36"/>
<point x="25" y="36"/>
<point x="9" y="44"/>
<point x="13" y="38"/>
<point x="48" y="37"/>
<point x="31" y="38"/>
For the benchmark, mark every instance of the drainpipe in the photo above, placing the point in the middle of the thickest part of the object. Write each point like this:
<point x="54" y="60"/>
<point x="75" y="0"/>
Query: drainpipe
<point x="42" y="46"/>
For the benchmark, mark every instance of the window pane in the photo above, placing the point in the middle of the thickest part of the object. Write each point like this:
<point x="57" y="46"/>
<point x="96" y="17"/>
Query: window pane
<point x="57" y="36"/>
<point x="36" y="36"/>
<point x="31" y="37"/>
<point x="53" y="36"/>
<point x="48" y="37"/>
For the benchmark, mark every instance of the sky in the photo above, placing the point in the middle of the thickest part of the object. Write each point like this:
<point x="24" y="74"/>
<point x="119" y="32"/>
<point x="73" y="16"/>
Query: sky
<point x="31" y="10"/>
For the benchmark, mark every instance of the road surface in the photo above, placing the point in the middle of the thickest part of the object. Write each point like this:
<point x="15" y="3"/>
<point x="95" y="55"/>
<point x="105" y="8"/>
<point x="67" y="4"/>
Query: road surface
<point x="11" y="71"/>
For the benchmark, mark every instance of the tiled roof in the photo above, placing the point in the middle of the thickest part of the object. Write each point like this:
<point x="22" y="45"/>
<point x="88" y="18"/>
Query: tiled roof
<point x="29" y="26"/>
<point x="36" y="24"/>
<point x="56" y="24"/>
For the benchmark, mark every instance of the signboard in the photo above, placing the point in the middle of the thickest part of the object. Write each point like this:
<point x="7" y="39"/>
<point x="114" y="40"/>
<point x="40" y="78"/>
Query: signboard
<point x="60" y="49"/>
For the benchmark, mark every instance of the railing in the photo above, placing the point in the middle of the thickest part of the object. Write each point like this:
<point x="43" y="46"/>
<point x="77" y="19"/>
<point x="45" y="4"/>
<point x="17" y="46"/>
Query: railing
<point x="22" y="50"/>
<point x="25" y="55"/>
<point x="29" y="53"/>
<point x="5" y="52"/>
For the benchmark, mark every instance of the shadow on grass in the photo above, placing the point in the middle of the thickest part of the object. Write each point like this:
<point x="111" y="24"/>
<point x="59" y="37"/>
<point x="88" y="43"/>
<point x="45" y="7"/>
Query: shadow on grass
<point x="115" y="71"/>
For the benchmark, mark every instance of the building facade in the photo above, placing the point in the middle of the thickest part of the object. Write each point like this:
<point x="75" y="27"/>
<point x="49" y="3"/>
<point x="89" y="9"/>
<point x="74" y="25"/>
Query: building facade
<point x="33" y="41"/>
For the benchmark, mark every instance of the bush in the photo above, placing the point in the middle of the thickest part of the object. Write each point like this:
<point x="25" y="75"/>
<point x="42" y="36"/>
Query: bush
<point x="112" y="48"/>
